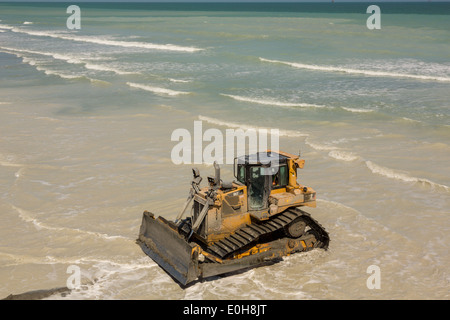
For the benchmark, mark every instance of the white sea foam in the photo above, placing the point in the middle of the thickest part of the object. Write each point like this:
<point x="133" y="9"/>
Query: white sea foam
<point x="106" y="278"/>
<point x="61" y="75"/>
<point x="98" y="67"/>
<point x="29" y="61"/>
<point x="358" y="71"/>
<point x="343" y="155"/>
<point x="393" y="174"/>
<point x="35" y="63"/>
<point x="411" y="120"/>
<point x="285" y="133"/>
<point x="156" y="90"/>
<point x="103" y="41"/>
<point x="272" y="102"/>
<point x="28" y="22"/>
<point x="347" y="156"/>
<point x="69" y="59"/>
<point x="4" y="26"/>
<point x="320" y="147"/>
<point x="356" y="110"/>
<point x="57" y="56"/>
<point x="71" y="76"/>
<point x="179" y="80"/>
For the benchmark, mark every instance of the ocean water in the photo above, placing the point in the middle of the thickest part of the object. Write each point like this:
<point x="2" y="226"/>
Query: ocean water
<point x="87" y="117"/>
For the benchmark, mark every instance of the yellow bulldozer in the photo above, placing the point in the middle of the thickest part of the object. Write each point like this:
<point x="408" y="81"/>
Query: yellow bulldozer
<point x="251" y="221"/>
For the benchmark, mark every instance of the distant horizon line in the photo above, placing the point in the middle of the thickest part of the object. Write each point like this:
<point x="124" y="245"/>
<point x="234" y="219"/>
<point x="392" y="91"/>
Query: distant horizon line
<point x="229" y="2"/>
<point x="223" y="1"/>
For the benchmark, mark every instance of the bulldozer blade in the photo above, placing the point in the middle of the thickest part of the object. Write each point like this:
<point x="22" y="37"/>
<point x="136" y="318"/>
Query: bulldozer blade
<point x="160" y="240"/>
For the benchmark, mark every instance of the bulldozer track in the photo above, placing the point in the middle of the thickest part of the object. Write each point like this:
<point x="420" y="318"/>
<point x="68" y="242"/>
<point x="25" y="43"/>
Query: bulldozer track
<point x="250" y="233"/>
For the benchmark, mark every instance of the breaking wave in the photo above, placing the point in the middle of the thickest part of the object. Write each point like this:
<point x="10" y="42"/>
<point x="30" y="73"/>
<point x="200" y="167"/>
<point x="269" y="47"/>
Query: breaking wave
<point x="285" y="133"/>
<point x="272" y="102"/>
<point x="390" y="173"/>
<point x="4" y="26"/>
<point x="342" y="155"/>
<point x="70" y="59"/>
<point x="62" y="75"/>
<point x="179" y="80"/>
<point x="320" y="147"/>
<point x="356" y="110"/>
<point x="47" y="71"/>
<point x="156" y="90"/>
<point x="103" y="41"/>
<point x="357" y="71"/>
<point x="98" y="67"/>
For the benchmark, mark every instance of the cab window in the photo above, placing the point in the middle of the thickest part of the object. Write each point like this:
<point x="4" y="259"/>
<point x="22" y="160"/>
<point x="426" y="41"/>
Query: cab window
<point x="279" y="176"/>
<point x="241" y="173"/>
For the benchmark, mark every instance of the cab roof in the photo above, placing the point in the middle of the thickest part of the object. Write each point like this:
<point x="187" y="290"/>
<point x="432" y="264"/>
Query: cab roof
<point x="264" y="157"/>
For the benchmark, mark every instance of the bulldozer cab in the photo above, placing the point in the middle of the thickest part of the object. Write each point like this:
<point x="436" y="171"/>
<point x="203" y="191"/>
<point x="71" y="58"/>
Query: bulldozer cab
<point x="261" y="173"/>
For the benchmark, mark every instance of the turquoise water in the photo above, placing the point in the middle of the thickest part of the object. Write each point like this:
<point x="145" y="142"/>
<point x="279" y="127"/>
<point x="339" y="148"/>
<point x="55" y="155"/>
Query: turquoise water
<point x="87" y="118"/>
